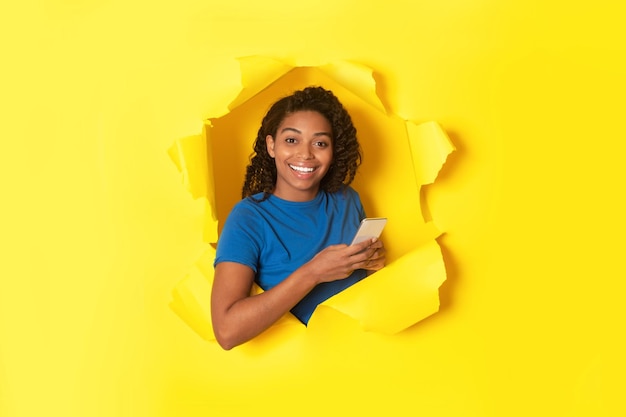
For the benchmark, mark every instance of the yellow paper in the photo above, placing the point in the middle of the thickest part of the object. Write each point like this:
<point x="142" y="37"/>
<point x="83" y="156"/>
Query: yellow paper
<point x="195" y="162"/>
<point x="399" y="295"/>
<point x="257" y="73"/>
<point x="399" y="157"/>
<point x="97" y="227"/>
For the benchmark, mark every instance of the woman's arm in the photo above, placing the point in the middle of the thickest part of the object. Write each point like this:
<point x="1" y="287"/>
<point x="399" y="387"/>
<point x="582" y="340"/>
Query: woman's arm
<point x="238" y="317"/>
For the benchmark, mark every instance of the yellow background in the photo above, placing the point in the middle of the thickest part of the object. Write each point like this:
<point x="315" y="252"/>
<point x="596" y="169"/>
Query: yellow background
<point x="96" y="228"/>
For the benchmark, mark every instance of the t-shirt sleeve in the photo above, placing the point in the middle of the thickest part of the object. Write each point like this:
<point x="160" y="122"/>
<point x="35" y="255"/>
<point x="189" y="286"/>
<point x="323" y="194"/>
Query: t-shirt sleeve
<point x="240" y="240"/>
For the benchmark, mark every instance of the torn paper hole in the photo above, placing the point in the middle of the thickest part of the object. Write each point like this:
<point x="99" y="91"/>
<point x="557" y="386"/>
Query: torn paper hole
<point x="399" y="157"/>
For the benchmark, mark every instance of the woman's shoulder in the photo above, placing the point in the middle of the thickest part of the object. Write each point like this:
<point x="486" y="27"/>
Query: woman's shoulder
<point x="346" y="193"/>
<point x="347" y="198"/>
<point x="246" y="214"/>
<point x="249" y="204"/>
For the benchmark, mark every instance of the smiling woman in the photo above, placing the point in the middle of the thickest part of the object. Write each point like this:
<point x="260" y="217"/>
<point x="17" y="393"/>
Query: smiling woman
<point x="289" y="234"/>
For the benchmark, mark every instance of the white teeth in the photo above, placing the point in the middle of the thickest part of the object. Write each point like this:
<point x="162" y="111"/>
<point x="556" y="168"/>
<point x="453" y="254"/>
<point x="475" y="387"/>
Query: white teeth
<point x="301" y="169"/>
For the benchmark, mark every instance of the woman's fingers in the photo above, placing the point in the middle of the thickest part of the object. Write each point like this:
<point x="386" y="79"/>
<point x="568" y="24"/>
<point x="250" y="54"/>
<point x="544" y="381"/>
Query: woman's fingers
<point x="375" y="256"/>
<point x="339" y="261"/>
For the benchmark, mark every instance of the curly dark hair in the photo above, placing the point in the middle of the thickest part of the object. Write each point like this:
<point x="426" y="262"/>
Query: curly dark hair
<point x="261" y="172"/>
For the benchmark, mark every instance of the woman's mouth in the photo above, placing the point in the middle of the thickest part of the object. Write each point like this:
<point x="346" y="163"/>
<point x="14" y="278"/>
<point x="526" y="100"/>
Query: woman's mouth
<point x="303" y="170"/>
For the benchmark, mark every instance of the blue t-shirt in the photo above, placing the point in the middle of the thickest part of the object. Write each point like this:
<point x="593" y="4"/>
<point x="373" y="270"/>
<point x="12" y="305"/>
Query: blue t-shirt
<point x="275" y="237"/>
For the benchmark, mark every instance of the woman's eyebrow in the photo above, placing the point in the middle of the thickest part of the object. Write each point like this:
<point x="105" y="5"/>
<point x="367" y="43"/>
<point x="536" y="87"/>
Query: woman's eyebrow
<point x="293" y="129"/>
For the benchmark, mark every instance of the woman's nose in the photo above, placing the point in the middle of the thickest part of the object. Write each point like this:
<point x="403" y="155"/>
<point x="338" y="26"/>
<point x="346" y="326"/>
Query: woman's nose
<point x="305" y="152"/>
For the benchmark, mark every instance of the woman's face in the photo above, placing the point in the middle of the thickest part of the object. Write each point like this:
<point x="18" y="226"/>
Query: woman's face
<point x="303" y="152"/>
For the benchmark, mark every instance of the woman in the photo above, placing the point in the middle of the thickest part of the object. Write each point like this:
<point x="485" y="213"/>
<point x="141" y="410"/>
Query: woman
<point x="289" y="232"/>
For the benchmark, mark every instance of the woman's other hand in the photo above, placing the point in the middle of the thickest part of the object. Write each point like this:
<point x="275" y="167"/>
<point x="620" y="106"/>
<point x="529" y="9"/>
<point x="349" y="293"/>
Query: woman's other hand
<point x="339" y="261"/>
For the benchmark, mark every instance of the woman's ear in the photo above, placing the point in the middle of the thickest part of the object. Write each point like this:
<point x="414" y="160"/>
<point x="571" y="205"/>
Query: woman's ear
<point x="269" y="142"/>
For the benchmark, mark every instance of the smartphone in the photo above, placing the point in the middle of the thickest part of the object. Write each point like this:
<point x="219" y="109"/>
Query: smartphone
<point x="370" y="227"/>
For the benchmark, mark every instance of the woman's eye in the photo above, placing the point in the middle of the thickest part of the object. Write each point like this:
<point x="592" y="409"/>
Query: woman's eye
<point x="321" y="144"/>
<point x="290" y="140"/>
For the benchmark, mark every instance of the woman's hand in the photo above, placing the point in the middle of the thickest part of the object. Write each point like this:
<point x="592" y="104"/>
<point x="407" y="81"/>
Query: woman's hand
<point x="339" y="261"/>
<point x="378" y="258"/>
